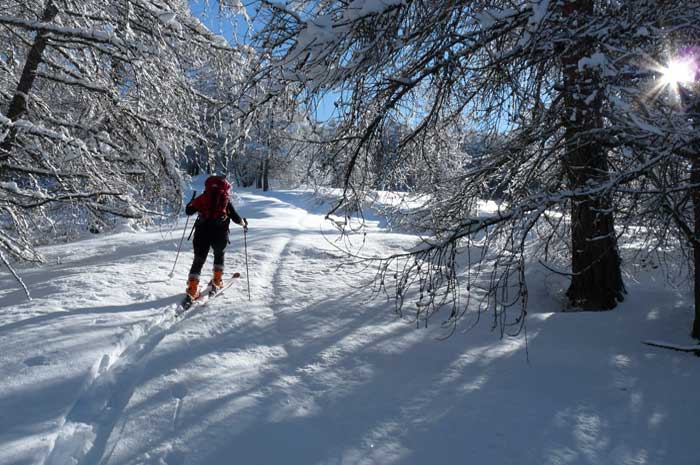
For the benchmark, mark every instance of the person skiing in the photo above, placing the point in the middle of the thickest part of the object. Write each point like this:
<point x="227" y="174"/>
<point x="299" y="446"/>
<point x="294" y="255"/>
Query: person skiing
<point x="211" y="231"/>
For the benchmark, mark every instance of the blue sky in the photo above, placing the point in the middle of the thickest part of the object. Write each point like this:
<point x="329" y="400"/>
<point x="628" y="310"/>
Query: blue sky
<point x="207" y="12"/>
<point x="236" y="30"/>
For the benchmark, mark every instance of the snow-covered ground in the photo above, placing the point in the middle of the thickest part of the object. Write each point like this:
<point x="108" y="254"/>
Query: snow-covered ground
<point x="96" y="370"/>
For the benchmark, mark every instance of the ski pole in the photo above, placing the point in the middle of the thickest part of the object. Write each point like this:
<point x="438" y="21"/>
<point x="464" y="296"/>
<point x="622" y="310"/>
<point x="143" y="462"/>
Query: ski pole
<point x="245" y="245"/>
<point x="172" y="272"/>
<point x="191" y="230"/>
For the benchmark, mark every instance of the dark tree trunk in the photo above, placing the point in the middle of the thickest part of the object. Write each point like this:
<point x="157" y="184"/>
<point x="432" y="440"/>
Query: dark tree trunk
<point x="266" y="175"/>
<point x="258" y="177"/>
<point x="266" y="161"/>
<point x="596" y="282"/>
<point x="691" y="102"/>
<point x="695" y="195"/>
<point x="18" y="105"/>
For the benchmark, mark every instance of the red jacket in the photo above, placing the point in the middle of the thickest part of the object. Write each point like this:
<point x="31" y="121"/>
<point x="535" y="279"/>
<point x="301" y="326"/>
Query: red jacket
<point x="199" y="204"/>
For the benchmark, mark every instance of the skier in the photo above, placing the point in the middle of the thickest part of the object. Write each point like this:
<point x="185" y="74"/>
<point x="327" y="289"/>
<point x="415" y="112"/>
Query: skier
<point x="211" y="231"/>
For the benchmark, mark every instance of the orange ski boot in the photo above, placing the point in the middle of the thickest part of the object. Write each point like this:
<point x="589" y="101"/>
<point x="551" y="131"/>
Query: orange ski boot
<point x="217" y="281"/>
<point x="193" y="287"/>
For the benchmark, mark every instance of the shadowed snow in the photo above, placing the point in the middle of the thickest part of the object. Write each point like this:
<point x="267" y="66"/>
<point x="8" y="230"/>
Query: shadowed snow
<point x="96" y="369"/>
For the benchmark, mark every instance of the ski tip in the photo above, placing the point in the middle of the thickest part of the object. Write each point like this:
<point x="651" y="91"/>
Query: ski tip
<point x="236" y="274"/>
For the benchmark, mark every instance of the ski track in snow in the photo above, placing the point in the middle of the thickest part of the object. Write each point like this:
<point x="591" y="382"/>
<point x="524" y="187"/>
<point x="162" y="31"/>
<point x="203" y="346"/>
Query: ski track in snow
<point x="308" y="373"/>
<point x="89" y="423"/>
<point x="83" y="436"/>
<point x="92" y="418"/>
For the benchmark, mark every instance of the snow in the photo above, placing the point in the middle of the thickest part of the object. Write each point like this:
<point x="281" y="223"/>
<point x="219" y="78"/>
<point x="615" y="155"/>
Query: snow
<point x="643" y="32"/>
<point x="92" y="35"/>
<point x="596" y="60"/>
<point x="318" y="32"/>
<point x="489" y="18"/>
<point x="539" y="11"/>
<point x="96" y="369"/>
<point x="238" y="8"/>
<point x="14" y="188"/>
<point x="169" y="19"/>
<point x="10" y="186"/>
<point x="361" y="8"/>
<point x="646" y="127"/>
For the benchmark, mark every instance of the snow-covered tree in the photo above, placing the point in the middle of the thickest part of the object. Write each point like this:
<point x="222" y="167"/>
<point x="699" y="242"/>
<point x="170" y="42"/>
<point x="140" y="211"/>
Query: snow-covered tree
<point x="99" y="100"/>
<point x="555" y="83"/>
<point x="268" y="127"/>
<point x="661" y="210"/>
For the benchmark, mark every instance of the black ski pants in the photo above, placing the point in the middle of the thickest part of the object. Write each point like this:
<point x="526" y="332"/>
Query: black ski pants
<point x="206" y="236"/>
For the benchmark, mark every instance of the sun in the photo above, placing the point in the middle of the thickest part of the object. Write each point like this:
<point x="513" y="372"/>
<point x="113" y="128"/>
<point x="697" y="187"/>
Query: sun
<point x="678" y="74"/>
<point x="678" y="71"/>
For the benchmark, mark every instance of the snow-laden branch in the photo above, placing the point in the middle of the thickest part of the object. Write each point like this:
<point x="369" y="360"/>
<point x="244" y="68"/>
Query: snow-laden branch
<point x="101" y="37"/>
<point x="15" y="275"/>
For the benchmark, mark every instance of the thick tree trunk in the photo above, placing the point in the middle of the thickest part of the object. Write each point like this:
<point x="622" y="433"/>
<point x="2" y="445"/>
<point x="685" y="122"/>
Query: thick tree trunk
<point x="18" y="105"/>
<point x="695" y="195"/>
<point x="596" y="282"/>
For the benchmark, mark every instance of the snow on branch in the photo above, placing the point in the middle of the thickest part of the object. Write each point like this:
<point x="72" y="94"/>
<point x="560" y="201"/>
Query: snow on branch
<point x="111" y="97"/>
<point x="66" y="32"/>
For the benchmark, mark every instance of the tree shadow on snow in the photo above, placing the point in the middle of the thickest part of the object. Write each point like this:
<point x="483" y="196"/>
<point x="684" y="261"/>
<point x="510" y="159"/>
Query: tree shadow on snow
<point x="355" y="385"/>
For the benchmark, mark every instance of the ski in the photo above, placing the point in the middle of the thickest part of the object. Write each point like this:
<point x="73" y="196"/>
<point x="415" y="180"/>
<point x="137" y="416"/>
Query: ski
<point x="230" y="283"/>
<point x="207" y="294"/>
<point x="188" y="302"/>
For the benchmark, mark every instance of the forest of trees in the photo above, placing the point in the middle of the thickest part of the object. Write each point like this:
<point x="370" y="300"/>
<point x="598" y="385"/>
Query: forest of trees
<point x="566" y="113"/>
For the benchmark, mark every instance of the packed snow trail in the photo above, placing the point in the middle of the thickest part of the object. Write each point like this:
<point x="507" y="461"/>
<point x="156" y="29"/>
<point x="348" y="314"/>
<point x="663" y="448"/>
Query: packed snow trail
<point x="96" y="370"/>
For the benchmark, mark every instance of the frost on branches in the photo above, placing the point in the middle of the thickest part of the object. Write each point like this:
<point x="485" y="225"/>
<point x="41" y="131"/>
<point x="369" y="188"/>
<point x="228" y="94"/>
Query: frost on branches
<point x="587" y="163"/>
<point x="98" y="100"/>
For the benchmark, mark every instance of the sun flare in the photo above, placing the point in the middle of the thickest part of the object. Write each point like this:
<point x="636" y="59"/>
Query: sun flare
<point x="678" y="71"/>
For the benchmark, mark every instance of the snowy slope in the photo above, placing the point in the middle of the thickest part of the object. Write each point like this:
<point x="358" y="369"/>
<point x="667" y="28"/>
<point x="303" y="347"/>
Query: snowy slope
<point x="96" y="370"/>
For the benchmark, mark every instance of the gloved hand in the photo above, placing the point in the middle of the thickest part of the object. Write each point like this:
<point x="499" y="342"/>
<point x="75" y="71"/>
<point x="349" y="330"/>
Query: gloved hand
<point x="245" y="224"/>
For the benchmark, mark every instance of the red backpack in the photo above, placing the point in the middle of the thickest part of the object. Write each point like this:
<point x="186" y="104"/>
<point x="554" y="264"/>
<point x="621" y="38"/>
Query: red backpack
<point x="213" y="202"/>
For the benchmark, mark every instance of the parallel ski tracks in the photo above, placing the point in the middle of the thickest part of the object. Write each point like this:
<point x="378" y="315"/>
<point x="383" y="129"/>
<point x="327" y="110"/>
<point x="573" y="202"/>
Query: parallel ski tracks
<point x="83" y="436"/>
<point x="88" y="424"/>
